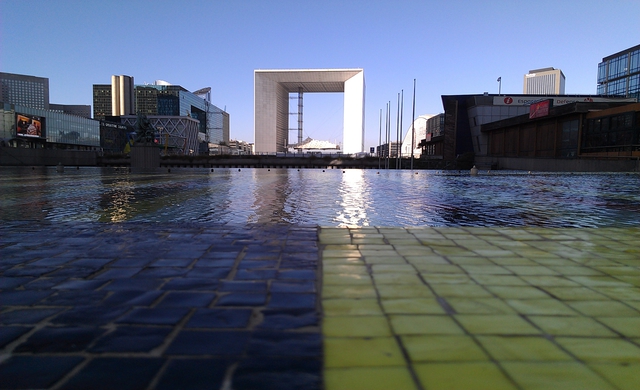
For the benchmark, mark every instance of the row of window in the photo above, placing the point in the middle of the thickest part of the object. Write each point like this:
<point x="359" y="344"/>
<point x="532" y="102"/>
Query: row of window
<point x="626" y="64"/>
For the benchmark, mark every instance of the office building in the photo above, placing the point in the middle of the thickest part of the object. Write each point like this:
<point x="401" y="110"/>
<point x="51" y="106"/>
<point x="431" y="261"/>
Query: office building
<point x="72" y="109"/>
<point x="122" y="96"/>
<point x="619" y="74"/>
<point x="545" y="81"/>
<point x="24" y="90"/>
<point x="101" y="101"/>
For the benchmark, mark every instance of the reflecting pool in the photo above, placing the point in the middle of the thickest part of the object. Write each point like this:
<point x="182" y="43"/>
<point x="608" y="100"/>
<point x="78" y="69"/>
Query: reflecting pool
<point x="329" y="197"/>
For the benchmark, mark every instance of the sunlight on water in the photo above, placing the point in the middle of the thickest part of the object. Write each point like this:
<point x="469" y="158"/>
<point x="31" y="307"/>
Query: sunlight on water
<point x="316" y="197"/>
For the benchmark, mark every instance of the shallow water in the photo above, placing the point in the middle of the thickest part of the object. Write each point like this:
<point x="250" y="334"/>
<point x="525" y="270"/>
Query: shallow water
<point x="316" y="197"/>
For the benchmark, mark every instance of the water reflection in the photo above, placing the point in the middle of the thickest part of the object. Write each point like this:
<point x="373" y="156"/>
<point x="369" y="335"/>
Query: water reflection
<point x="317" y="197"/>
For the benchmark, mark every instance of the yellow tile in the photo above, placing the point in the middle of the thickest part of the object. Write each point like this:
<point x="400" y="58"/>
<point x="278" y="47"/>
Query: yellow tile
<point x="499" y="324"/>
<point x="368" y="378"/>
<point x="541" y="306"/>
<point x="466" y="375"/>
<point x="571" y="326"/>
<point x="603" y="309"/>
<point x="438" y="269"/>
<point x="601" y="349"/>
<point x="574" y="293"/>
<point x="350" y="247"/>
<point x="425" y="260"/>
<point x="493" y="253"/>
<point x="530" y="270"/>
<point x="385" y="260"/>
<point x="355" y="326"/>
<point x="517" y="292"/>
<point x="522" y="348"/>
<point x="348" y="291"/>
<point x="343" y="261"/>
<point x="625" y="376"/>
<point x="555" y="281"/>
<point x="469" y="258"/>
<point x="412" y="306"/>
<point x="453" y="278"/>
<point x="599" y="281"/>
<point x="461" y="291"/>
<point x="620" y="293"/>
<point x="397" y="278"/>
<point x="340" y="253"/>
<point x="349" y="307"/>
<point x="355" y="269"/>
<point x="512" y="261"/>
<point x="424" y="324"/>
<point x="480" y="306"/>
<point x="387" y="291"/>
<point x="347" y="279"/>
<point x="499" y="280"/>
<point x="575" y="270"/>
<point x="390" y="252"/>
<point x="555" y="375"/>
<point x="631" y="280"/>
<point x="393" y="268"/>
<point x="489" y="269"/>
<point x="439" y="348"/>
<point x="362" y="352"/>
<point x="627" y="326"/>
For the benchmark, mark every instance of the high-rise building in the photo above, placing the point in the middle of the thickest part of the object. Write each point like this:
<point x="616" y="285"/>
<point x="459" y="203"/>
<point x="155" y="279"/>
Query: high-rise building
<point x="101" y="101"/>
<point x="122" y="96"/>
<point x="23" y="90"/>
<point x="619" y="74"/>
<point x="545" y="81"/>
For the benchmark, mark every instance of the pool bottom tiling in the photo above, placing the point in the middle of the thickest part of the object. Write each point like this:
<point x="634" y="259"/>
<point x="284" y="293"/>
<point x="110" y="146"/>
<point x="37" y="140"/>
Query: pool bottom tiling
<point x="481" y="308"/>
<point x="167" y="306"/>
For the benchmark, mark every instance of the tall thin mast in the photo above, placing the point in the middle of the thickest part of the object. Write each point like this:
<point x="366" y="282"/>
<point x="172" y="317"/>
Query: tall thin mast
<point x="413" y="122"/>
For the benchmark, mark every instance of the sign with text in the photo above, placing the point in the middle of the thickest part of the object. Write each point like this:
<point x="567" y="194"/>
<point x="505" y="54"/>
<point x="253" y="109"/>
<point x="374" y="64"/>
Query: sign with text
<point x="540" y="109"/>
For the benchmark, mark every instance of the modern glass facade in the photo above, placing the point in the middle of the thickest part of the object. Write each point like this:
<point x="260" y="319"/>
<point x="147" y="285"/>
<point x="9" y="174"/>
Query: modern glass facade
<point x="619" y="74"/>
<point x="58" y="128"/>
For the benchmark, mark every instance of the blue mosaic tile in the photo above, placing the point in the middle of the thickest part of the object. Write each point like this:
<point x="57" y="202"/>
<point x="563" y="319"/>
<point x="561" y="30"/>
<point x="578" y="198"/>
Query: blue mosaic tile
<point x="193" y="374"/>
<point x="60" y="339"/>
<point x="292" y="301"/>
<point x="115" y="373"/>
<point x="117" y="273"/>
<point x="278" y="374"/>
<point x="73" y="272"/>
<point x="28" y="271"/>
<point x="11" y="333"/>
<point x="246" y="286"/>
<point x="9" y="283"/>
<point x="80" y="285"/>
<point x="75" y="298"/>
<point x="267" y="343"/>
<point x="242" y="299"/>
<point x="171" y="263"/>
<point x="162" y="272"/>
<point x="186" y="299"/>
<point x="193" y="284"/>
<point x="215" y="263"/>
<point x="207" y="272"/>
<point x="220" y="318"/>
<point x="35" y="372"/>
<point x="23" y="297"/>
<point x="134" y="284"/>
<point x="44" y="283"/>
<point x="89" y="315"/>
<point x="216" y="343"/>
<point x="245" y="274"/>
<point x="131" y="339"/>
<point x="289" y="286"/>
<point x="27" y="316"/>
<point x="132" y="298"/>
<point x="288" y="319"/>
<point x="155" y="316"/>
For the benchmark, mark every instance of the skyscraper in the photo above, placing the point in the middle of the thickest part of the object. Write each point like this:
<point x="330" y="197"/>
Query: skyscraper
<point x="619" y="74"/>
<point x="122" y="96"/>
<point x="545" y="81"/>
<point x="23" y="90"/>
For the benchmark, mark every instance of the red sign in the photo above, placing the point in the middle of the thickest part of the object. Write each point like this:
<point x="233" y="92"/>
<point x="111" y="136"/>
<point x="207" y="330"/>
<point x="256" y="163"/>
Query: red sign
<point x="508" y="100"/>
<point x="539" y="109"/>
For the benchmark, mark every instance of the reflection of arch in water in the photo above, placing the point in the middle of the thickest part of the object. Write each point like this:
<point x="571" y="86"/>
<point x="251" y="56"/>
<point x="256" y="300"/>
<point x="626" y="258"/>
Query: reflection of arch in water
<point x="272" y="193"/>
<point x="354" y="197"/>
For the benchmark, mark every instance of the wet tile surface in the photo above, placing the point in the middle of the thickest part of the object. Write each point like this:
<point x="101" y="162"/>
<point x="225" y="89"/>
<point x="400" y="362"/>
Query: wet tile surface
<point x="145" y="306"/>
<point x="480" y="308"/>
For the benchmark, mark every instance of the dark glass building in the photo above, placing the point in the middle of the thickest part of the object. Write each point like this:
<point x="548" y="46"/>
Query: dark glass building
<point x="619" y="74"/>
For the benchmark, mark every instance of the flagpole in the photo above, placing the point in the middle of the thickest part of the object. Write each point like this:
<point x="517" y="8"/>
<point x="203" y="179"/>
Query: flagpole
<point x="499" y="85"/>
<point x="413" y="122"/>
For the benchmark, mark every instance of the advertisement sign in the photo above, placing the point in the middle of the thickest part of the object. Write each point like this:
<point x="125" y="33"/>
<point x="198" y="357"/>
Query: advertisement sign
<point x="557" y="101"/>
<point x="29" y="126"/>
<point x="539" y="109"/>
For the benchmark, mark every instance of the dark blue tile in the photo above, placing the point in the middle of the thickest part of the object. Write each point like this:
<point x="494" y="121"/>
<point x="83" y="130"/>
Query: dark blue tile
<point x="91" y="263"/>
<point x="132" y="298"/>
<point x="35" y="372"/>
<point x="215" y="263"/>
<point x="220" y="318"/>
<point x="162" y="272"/>
<point x="27" y="316"/>
<point x="117" y="273"/>
<point x="187" y="299"/>
<point x="89" y="315"/>
<point x="305" y="286"/>
<point x="194" y="374"/>
<point x="75" y="298"/>
<point x="297" y="274"/>
<point x="7" y="283"/>
<point x="191" y="284"/>
<point x="10" y="333"/>
<point x="171" y="263"/>
<point x="155" y="316"/>
<point x="44" y="283"/>
<point x="73" y="272"/>
<point x="217" y="343"/>
<point x="29" y="271"/>
<point x="51" y="261"/>
<point x="133" y="262"/>
<point x="207" y="272"/>
<point x="223" y="255"/>
<point x="246" y="274"/>
<point x="23" y="297"/>
<point x="131" y="339"/>
<point x="288" y="319"/>
<point x="278" y="374"/>
<point x="292" y="301"/>
<point x="257" y="264"/>
<point x="267" y="343"/>
<point x="134" y="284"/>
<point x="80" y="285"/>
<point x="242" y="299"/>
<point x="245" y="286"/>
<point x="115" y="373"/>
<point x="63" y="339"/>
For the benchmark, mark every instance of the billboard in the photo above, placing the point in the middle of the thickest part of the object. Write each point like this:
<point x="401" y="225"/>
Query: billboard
<point x="540" y="109"/>
<point x="29" y="126"/>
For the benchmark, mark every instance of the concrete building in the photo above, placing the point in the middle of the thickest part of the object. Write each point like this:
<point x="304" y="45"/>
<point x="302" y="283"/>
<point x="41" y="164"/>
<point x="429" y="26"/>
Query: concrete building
<point x="24" y="90"/>
<point x="271" y="104"/>
<point x="122" y="96"/>
<point x="619" y="74"/>
<point x="545" y="81"/>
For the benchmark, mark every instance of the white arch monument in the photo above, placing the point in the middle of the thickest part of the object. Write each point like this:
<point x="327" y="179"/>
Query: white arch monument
<point x="271" y="104"/>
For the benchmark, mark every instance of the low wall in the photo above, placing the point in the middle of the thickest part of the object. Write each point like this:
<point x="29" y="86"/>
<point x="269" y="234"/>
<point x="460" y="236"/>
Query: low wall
<point x="47" y="157"/>
<point x="559" y="165"/>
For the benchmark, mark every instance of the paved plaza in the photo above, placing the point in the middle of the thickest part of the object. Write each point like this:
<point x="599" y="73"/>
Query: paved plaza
<point x="178" y="306"/>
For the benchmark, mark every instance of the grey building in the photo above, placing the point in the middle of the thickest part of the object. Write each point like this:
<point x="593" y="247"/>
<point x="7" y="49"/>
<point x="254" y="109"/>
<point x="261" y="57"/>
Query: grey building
<point x="24" y="90"/>
<point x="619" y="74"/>
<point x="545" y="81"/>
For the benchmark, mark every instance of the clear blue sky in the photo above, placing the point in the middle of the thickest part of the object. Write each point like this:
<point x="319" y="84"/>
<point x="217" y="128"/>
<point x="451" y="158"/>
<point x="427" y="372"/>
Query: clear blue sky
<point x="449" y="47"/>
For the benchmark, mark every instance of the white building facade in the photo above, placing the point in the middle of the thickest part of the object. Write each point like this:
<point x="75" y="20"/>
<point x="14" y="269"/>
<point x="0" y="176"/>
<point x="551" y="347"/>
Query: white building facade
<point x="545" y="81"/>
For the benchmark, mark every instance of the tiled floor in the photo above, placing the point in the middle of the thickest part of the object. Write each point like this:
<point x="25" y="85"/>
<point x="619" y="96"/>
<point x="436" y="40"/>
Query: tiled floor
<point x="481" y="308"/>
